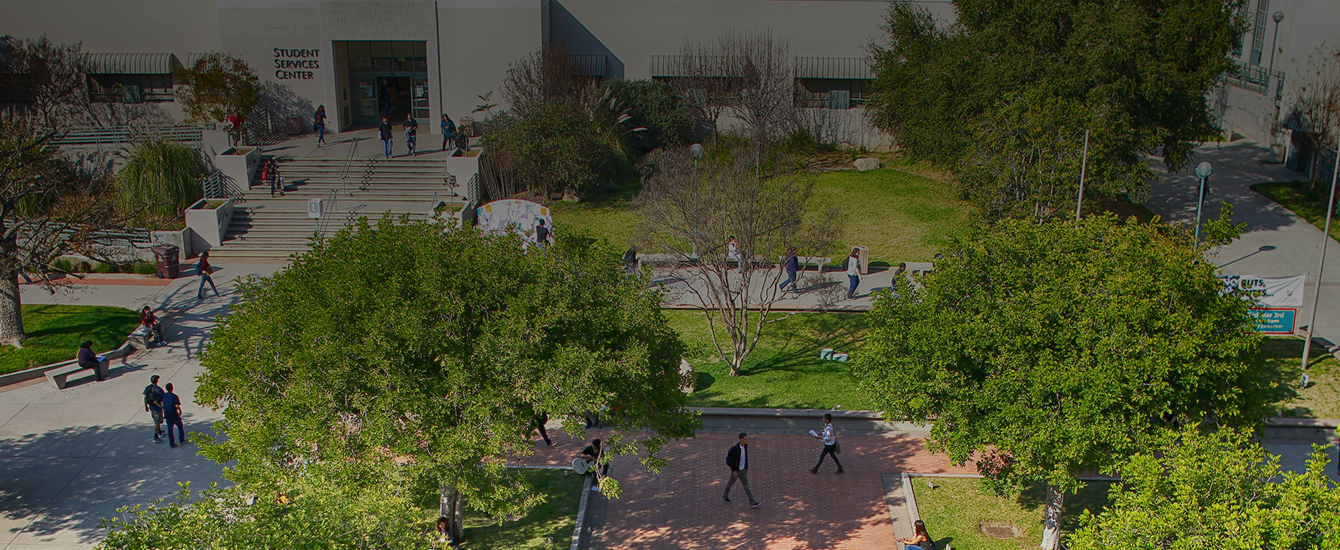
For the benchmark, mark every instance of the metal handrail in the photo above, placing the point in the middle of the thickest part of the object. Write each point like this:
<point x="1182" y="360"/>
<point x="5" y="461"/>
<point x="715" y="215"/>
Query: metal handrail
<point x="348" y="160"/>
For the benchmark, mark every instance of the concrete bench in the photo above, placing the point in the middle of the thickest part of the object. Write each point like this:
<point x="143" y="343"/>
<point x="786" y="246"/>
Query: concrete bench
<point x="59" y="375"/>
<point x="916" y="268"/>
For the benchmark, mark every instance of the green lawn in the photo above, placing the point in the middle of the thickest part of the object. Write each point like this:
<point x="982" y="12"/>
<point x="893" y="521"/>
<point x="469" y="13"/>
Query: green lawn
<point x="785" y="370"/>
<point x="1321" y="398"/>
<point x="552" y="520"/>
<point x="55" y="332"/>
<point x="1294" y="195"/>
<point x="901" y="216"/>
<point x="956" y="510"/>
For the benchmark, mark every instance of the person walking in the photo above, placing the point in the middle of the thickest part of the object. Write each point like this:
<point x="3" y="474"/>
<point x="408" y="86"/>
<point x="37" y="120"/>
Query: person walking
<point x="792" y="265"/>
<point x="411" y="133"/>
<point x="384" y="132"/>
<point x="830" y="445"/>
<point x="853" y="274"/>
<point x="920" y="540"/>
<point x="153" y="403"/>
<point x="319" y="124"/>
<point x="448" y="131"/>
<point x="89" y="360"/>
<point x="543" y="236"/>
<point x="630" y="261"/>
<point x="172" y="415"/>
<point x="235" y="122"/>
<point x="540" y="420"/>
<point x="202" y="269"/>
<point x="733" y="252"/>
<point x="738" y="461"/>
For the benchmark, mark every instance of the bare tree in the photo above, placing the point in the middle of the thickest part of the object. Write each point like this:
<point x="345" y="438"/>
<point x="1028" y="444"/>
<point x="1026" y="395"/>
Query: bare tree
<point x="1317" y="113"/>
<point x="49" y="79"/>
<point x="49" y="207"/>
<point x="550" y="74"/>
<point x="691" y="210"/>
<point x="747" y="73"/>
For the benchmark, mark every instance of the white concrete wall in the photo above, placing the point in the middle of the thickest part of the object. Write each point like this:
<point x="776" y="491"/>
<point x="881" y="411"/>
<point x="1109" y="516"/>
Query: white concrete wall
<point x="478" y="39"/>
<point x="254" y="30"/>
<point x="1307" y="25"/>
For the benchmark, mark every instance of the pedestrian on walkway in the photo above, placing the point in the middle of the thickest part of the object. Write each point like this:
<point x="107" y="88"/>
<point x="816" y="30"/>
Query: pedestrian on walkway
<point x="411" y="133"/>
<point x="738" y="461"/>
<point x="630" y="261"/>
<point x="831" y="447"/>
<point x="853" y="273"/>
<point x="384" y="131"/>
<point x="540" y="420"/>
<point x="448" y="131"/>
<point x="172" y="414"/>
<point x="202" y="269"/>
<point x="733" y="252"/>
<point x="920" y="539"/>
<point x="792" y="264"/>
<point x="235" y="122"/>
<point x="88" y="360"/>
<point x="319" y="124"/>
<point x="153" y="402"/>
<point x="543" y="236"/>
<point x="150" y="323"/>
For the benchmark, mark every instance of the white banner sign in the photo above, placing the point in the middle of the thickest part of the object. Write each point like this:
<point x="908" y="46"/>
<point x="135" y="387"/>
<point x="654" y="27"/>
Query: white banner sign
<point x="1269" y="292"/>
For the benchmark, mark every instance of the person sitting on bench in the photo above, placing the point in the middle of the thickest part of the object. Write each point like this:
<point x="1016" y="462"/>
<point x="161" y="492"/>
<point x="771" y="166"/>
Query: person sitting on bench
<point x="589" y="458"/>
<point x="88" y="360"/>
<point x="151" y="324"/>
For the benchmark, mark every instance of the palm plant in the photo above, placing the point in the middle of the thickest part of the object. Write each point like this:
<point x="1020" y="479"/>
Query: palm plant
<point x="161" y="179"/>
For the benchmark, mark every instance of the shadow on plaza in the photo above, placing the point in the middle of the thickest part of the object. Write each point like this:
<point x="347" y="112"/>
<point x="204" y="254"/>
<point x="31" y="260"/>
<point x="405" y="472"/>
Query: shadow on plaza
<point x="1236" y="168"/>
<point x="61" y="484"/>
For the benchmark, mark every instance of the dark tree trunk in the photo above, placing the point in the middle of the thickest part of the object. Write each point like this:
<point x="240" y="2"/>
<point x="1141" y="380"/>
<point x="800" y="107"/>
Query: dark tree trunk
<point x="11" y="310"/>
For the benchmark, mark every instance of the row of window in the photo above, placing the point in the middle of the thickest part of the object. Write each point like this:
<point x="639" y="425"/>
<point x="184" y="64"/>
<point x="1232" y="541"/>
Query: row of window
<point x="129" y="88"/>
<point x="833" y="93"/>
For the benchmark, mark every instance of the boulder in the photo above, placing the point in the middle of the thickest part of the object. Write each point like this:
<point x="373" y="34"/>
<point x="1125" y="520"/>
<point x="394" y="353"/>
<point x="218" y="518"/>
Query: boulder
<point x="686" y="372"/>
<point x="864" y="164"/>
<point x="569" y="195"/>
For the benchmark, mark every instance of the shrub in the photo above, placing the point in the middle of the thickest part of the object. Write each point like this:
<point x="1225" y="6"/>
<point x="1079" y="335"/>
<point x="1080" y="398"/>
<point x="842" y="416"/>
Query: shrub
<point x="654" y="106"/>
<point x="160" y="180"/>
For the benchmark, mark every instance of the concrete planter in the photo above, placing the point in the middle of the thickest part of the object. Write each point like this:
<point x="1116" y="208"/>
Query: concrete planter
<point x="180" y="239"/>
<point x="208" y="219"/>
<point x="239" y="164"/>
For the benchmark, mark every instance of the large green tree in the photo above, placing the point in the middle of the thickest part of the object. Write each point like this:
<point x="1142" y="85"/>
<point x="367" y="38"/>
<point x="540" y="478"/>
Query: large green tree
<point x="399" y="355"/>
<point x="1003" y="95"/>
<point x="216" y="86"/>
<point x="1215" y="491"/>
<point x="1041" y="351"/>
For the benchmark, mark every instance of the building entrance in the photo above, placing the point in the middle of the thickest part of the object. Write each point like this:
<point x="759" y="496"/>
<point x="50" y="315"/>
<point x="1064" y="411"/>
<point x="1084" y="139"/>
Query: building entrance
<point x="385" y="78"/>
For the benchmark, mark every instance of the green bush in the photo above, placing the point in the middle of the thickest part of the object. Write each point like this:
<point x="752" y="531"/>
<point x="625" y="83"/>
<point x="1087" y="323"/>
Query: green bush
<point x="105" y="268"/>
<point x="654" y="106"/>
<point x="160" y="180"/>
<point x="803" y="142"/>
<point x="145" y="268"/>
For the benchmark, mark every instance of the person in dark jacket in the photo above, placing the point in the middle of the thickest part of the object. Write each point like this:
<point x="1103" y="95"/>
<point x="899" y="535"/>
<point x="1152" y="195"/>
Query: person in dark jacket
<point x="448" y="131"/>
<point x="89" y="360"/>
<point x="792" y="265"/>
<point x="411" y="133"/>
<point x="384" y="131"/>
<point x="738" y="461"/>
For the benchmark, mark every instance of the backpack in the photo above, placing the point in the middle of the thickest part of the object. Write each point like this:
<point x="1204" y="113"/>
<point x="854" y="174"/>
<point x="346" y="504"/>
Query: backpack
<point x="149" y="394"/>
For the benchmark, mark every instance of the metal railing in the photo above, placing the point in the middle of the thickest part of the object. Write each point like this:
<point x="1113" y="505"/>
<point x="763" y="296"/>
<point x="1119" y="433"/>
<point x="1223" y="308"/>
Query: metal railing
<point x="1252" y="77"/>
<point x="348" y="160"/>
<point x="121" y="135"/>
<point x="216" y="186"/>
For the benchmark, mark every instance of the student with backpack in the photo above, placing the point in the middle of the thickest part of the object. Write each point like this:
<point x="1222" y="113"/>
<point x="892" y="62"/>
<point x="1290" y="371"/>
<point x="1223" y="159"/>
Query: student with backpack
<point x="153" y="403"/>
<point x="737" y="459"/>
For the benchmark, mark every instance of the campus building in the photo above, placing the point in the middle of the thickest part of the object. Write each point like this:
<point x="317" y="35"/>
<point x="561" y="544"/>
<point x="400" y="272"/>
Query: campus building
<point x="1280" y="54"/>
<point x="364" y="59"/>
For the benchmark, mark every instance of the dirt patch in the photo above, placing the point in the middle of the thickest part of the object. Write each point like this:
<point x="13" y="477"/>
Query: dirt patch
<point x="1000" y="530"/>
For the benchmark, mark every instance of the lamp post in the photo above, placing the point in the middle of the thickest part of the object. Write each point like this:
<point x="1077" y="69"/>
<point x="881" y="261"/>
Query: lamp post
<point x="1321" y="263"/>
<point x="1274" y="122"/>
<point x="1203" y="171"/>
<point x="1083" y="165"/>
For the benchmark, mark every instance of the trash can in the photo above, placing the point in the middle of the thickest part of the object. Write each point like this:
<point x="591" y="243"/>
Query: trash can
<point x="166" y="257"/>
<point x="293" y="124"/>
<point x="863" y="252"/>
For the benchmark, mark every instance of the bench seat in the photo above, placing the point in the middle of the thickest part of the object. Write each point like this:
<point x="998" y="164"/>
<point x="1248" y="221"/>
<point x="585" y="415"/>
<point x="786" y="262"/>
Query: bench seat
<point x="58" y="376"/>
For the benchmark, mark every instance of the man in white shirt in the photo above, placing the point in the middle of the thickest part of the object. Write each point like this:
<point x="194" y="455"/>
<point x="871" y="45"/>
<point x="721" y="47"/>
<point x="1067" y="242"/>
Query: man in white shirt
<point x="853" y="273"/>
<point x="738" y="461"/>
<point x="830" y="445"/>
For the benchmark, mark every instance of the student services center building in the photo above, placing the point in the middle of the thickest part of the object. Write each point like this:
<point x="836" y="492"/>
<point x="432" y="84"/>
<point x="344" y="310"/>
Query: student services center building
<point x="368" y="58"/>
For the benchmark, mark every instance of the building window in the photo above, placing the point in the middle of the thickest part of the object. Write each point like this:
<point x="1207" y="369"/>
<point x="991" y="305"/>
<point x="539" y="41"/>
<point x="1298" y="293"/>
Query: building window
<point x="130" y="88"/>
<point x="1259" y="30"/>
<point x="833" y="93"/>
<point x="386" y="56"/>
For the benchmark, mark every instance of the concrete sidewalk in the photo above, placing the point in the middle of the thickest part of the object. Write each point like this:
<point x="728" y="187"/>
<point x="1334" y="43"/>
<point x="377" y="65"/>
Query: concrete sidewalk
<point x="69" y="458"/>
<point x="1276" y="243"/>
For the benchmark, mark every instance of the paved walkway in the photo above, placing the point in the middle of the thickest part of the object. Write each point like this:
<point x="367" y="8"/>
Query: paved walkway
<point x="70" y="458"/>
<point x="1276" y="243"/>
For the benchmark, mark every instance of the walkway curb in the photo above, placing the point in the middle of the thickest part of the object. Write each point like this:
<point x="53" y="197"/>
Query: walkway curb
<point x="580" y="529"/>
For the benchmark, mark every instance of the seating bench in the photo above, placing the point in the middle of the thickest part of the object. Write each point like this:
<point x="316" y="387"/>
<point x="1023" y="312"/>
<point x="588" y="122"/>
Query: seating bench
<point x="59" y="375"/>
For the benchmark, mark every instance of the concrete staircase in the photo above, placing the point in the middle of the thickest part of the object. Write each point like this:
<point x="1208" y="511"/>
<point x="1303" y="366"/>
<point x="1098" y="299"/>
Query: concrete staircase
<point x="266" y="229"/>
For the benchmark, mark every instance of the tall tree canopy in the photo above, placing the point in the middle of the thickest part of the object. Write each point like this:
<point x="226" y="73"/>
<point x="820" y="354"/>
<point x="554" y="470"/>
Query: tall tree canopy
<point x="397" y="355"/>
<point x="1004" y="95"/>
<point x="1215" y="491"/>
<point x="1045" y="350"/>
<point x="216" y="86"/>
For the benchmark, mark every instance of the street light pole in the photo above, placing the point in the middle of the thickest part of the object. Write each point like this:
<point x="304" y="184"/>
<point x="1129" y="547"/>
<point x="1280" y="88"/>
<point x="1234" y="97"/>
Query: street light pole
<point x="1321" y="264"/>
<point x="1203" y="171"/>
<point x="1274" y="122"/>
<point x="1083" y="164"/>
